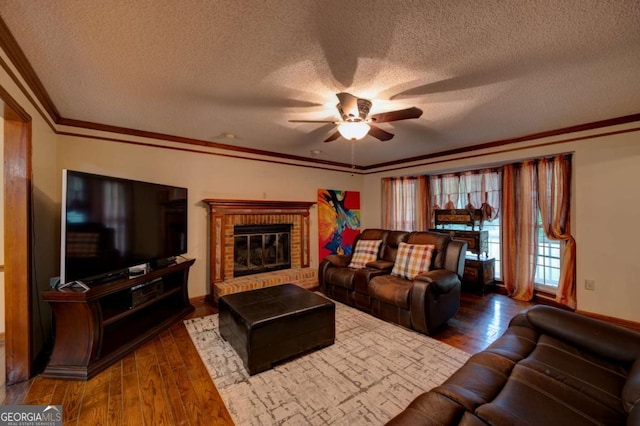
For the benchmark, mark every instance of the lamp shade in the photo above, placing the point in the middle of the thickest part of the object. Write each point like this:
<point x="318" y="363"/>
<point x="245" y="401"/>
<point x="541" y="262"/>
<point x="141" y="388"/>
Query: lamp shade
<point x="353" y="130"/>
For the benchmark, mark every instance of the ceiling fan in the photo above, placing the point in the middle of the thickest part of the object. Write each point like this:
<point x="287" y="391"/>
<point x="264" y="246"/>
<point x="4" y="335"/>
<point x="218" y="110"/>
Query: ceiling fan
<point x="356" y="122"/>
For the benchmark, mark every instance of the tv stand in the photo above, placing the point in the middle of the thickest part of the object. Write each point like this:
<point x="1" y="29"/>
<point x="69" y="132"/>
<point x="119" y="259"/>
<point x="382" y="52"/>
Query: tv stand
<point x="96" y="327"/>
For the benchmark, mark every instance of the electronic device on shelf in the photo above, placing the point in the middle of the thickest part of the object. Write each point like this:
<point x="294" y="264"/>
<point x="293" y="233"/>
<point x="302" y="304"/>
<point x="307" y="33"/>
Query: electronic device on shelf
<point x="111" y="224"/>
<point x="144" y="292"/>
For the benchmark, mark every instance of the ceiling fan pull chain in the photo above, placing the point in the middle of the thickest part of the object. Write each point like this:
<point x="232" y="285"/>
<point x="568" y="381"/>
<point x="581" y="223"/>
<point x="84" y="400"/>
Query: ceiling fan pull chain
<point x="353" y="155"/>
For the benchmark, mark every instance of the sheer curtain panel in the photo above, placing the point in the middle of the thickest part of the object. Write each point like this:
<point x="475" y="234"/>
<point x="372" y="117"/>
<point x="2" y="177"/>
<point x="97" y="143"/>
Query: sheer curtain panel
<point x="519" y="237"/>
<point x="554" y="183"/>
<point x="405" y="203"/>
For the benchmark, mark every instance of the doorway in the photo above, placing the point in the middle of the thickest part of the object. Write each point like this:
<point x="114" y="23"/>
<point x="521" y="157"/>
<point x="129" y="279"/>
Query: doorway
<point x="17" y="247"/>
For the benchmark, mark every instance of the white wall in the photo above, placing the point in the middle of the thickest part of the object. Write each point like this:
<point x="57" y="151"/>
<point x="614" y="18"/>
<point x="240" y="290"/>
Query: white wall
<point x="608" y="222"/>
<point x="205" y="176"/>
<point x="605" y="209"/>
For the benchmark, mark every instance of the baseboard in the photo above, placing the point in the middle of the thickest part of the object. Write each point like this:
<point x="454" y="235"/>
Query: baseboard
<point x="539" y="297"/>
<point x="632" y="325"/>
<point x="548" y="299"/>
<point x="199" y="299"/>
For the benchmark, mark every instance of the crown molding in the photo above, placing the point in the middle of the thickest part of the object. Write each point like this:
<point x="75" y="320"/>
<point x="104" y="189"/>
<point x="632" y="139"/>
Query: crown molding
<point x="494" y="144"/>
<point x="9" y="44"/>
<point x="20" y="61"/>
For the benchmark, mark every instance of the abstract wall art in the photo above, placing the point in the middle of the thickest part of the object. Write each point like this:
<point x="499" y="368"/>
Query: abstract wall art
<point x="338" y="221"/>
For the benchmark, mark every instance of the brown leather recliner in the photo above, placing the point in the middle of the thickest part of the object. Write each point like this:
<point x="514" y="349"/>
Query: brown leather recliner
<point x="433" y="297"/>
<point x="550" y="367"/>
<point x="350" y="286"/>
<point x="422" y="304"/>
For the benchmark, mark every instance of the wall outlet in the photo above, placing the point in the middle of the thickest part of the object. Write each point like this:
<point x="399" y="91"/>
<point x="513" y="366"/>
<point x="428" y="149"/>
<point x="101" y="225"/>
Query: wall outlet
<point x="589" y="284"/>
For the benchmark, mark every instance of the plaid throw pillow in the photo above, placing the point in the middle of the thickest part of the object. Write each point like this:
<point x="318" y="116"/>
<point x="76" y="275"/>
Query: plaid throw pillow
<point x="411" y="260"/>
<point x="366" y="251"/>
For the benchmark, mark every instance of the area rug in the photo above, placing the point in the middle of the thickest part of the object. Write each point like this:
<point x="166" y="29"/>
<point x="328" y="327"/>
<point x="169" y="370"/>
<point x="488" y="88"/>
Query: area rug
<point x="371" y="373"/>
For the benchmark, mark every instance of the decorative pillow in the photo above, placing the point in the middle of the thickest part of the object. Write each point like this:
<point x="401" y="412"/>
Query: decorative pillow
<point x="366" y="251"/>
<point x="412" y="259"/>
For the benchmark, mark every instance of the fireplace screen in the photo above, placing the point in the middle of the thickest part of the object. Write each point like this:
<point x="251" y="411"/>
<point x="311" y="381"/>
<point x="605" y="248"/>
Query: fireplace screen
<point x="261" y="248"/>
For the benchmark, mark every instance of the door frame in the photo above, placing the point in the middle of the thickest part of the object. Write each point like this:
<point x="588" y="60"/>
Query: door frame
<point x="17" y="242"/>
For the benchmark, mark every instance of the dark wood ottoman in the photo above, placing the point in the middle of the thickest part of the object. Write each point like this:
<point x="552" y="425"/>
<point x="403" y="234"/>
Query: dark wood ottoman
<point x="271" y="324"/>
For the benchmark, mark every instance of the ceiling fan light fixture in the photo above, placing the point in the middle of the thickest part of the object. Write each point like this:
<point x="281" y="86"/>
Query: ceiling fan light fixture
<point x="354" y="130"/>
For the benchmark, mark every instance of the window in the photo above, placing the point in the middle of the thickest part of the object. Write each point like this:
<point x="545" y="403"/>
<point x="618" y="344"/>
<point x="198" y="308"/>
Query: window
<point x="494" y="244"/>
<point x="482" y="189"/>
<point x="473" y="189"/>
<point x="405" y="203"/>
<point x="547" y="261"/>
<point x="406" y="199"/>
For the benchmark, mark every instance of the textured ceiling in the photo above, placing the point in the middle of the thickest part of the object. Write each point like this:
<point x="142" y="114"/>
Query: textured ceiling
<point x="481" y="71"/>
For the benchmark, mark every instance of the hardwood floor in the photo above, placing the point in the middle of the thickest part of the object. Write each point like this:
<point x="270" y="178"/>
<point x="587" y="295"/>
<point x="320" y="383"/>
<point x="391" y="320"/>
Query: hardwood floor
<point x="479" y="321"/>
<point x="165" y="383"/>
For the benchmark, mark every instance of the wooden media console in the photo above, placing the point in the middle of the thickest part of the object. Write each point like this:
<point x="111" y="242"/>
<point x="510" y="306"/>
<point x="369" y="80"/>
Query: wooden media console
<point x="96" y="327"/>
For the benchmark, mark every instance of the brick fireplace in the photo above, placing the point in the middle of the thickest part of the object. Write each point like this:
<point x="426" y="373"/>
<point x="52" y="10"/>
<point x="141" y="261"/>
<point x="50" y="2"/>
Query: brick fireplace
<point x="225" y="215"/>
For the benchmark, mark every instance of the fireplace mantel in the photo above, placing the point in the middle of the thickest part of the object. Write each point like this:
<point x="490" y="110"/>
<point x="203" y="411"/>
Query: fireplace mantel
<point x="257" y="206"/>
<point x="225" y="214"/>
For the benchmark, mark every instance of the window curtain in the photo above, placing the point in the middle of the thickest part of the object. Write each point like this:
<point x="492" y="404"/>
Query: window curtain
<point x="482" y="190"/>
<point x="477" y="189"/>
<point x="519" y="237"/>
<point x="554" y="182"/>
<point x="445" y="191"/>
<point x="405" y="203"/>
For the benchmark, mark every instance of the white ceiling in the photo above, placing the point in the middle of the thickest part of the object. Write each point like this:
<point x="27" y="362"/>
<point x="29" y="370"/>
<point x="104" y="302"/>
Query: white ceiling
<point x="481" y="71"/>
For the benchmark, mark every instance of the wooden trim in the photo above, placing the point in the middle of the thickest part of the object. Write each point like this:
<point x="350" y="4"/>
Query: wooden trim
<point x="512" y="149"/>
<point x="557" y="132"/>
<point x="305" y="236"/>
<point x="365" y="170"/>
<point x="17" y="228"/>
<point x="540" y="297"/>
<point x="11" y="109"/>
<point x="26" y="93"/>
<point x="545" y="298"/>
<point x="22" y="64"/>
<point x="190" y="141"/>
<point x="218" y="154"/>
<point x="197" y="299"/>
<point x="632" y="325"/>
<point x="16" y="55"/>
<point x="548" y="299"/>
<point x="257" y="206"/>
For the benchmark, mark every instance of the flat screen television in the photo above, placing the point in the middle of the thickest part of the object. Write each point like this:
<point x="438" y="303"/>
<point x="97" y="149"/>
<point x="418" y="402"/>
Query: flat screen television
<point x="110" y="224"/>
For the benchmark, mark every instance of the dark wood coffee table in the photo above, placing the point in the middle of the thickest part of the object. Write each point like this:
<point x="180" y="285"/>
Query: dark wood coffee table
<point x="272" y="324"/>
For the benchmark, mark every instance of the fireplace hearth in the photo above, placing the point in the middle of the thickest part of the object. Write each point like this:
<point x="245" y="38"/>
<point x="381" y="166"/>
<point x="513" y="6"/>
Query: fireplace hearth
<point x="261" y="248"/>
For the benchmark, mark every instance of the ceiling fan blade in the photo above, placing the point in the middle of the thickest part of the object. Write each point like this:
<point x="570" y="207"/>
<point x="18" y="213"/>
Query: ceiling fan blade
<point x="401" y="114"/>
<point x="311" y="121"/>
<point x="378" y="133"/>
<point x="333" y="137"/>
<point x="348" y="104"/>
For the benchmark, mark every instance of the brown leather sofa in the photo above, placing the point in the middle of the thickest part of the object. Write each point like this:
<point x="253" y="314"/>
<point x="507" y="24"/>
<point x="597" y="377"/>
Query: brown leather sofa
<point x="551" y="367"/>
<point x="423" y="304"/>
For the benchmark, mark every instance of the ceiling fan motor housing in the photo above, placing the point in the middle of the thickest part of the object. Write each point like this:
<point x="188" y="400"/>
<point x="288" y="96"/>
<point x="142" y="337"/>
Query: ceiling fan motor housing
<point x="364" y="105"/>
